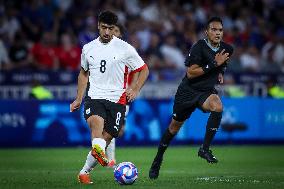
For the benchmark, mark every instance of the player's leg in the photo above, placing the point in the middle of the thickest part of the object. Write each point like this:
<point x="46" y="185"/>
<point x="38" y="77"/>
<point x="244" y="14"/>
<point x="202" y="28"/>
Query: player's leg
<point x="110" y="153"/>
<point x="214" y="105"/>
<point x="90" y="163"/>
<point x="109" y="133"/>
<point x="181" y="111"/>
<point x="121" y="132"/>
<point x="95" y="123"/>
<point x="164" y="143"/>
<point x="99" y="144"/>
<point x="93" y="113"/>
<point x="114" y="122"/>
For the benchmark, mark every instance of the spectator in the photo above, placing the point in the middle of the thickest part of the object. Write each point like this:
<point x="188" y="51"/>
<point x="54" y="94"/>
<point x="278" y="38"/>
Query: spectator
<point x="30" y="19"/>
<point x="250" y="59"/>
<point x="173" y="56"/>
<point x="180" y="24"/>
<point x="89" y="33"/>
<point x="43" y="53"/>
<point x="4" y="60"/>
<point x="9" y="24"/>
<point x="68" y="53"/>
<point x="19" y="52"/>
<point x="268" y="65"/>
<point x="153" y="54"/>
<point x="278" y="53"/>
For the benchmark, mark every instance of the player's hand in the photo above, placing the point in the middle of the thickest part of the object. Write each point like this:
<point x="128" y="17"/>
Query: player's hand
<point x="75" y="105"/>
<point x="221" y="57"/>
<point x="221" y="78"/>
<point x="131" y="94"/>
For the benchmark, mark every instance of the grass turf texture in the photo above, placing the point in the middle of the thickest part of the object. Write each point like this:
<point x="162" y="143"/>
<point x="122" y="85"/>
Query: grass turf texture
<point x="239" y="167"/>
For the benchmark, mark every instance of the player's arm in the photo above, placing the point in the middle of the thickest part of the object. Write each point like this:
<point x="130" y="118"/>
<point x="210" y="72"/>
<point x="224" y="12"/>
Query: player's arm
<point x="82" y="83"/>
<point x="224" y="66"/>
<point x="230" y="50"/>
<point x="195" y="70"/>
<point x="142" y="76"/>
<point x="139" y="78"/>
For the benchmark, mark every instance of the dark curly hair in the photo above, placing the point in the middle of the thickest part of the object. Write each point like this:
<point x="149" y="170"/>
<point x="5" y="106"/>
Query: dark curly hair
<point x="214" y="19"/>
<point x="108" y="17"/>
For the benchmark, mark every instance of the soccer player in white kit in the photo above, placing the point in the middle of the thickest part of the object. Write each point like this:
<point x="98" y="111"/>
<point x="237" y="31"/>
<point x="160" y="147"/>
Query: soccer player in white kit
<point x="105" y="64"/>
<point x="118" y="31"/>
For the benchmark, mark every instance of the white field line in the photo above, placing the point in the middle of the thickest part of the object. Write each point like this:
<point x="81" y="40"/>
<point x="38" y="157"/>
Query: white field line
<point x="44" y="171"/>
<point x="224" y="173"/>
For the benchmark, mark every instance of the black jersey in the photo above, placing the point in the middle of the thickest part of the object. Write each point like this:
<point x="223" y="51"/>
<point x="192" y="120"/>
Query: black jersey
<point x="203" y="54"/>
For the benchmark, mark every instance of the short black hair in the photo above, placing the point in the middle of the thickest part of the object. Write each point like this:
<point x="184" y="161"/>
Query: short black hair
<point x="108" y="17"/>
<point x="121" y="28"/>
<point x="213" y="19"/>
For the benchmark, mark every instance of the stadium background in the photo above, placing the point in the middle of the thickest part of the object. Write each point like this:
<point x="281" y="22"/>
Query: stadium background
<point x="40" y="45"/>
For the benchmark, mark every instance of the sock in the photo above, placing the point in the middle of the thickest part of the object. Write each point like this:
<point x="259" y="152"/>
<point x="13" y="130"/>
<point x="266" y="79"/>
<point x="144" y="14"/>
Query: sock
<point x="90" y="163"/>
<point x="99" y="141"/>
<point x="164" y="143"/>
<point x="211" y="128"/>
<point x="110" y="151"/>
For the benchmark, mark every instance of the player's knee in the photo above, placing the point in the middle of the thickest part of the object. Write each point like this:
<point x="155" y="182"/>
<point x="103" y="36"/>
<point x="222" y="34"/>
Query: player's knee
<point x="216" y="106"/>
<point x="219" y="107"/>
<point x="107" y="136"/>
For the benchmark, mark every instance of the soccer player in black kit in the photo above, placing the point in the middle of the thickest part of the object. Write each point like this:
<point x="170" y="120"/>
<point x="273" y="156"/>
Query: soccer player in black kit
<point x="205" y="64"/>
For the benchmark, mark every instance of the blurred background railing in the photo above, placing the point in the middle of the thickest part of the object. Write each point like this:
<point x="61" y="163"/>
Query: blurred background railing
<point x="63" y="84"/>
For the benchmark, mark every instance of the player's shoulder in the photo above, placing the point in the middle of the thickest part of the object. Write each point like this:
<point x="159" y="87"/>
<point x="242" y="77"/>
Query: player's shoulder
<point x="121" y="43"/>
<point x="199" y="44"/>
<point x="227" y="47"/>
<point x="90" y="45"/>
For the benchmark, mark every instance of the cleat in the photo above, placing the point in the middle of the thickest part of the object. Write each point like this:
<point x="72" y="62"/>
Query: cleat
<point x="111" y="164"/>
<point x="99" y="154"/>
<point x="84" y="179"/>
<point x="155" y="168"/>
<point x="207" y="155"/>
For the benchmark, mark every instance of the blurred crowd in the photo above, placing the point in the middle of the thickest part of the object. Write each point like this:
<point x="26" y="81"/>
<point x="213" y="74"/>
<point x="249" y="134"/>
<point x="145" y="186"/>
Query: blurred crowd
<point x="49" y="34"/>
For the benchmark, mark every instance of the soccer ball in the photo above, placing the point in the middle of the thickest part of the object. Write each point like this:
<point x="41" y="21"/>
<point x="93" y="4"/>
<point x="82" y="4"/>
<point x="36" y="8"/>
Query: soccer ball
<point x="125" y="173"/>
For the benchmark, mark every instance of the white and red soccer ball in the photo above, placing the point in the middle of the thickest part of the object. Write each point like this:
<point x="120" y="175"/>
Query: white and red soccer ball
<point x="125" y="173"/>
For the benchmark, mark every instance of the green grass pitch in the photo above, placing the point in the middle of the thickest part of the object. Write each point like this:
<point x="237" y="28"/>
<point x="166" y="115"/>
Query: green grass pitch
<point x="242" y="167"/>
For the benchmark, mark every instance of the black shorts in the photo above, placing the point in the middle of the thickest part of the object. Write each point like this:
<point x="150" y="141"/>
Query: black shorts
<point x="186" y="101"/>
<point x="112" y="113"/>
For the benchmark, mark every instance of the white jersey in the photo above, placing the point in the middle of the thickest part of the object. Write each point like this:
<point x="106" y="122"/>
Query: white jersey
<point x="109" y="65"/>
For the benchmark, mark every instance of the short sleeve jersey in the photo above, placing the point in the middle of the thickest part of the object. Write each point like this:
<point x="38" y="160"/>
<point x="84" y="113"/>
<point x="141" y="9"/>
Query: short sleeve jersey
<point x="108" y="66"/>
<point x="203" y="54"/>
